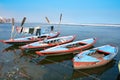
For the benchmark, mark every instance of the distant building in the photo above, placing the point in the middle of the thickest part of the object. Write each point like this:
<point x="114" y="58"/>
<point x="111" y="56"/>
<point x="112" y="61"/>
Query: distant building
<point x="5" y="20"/>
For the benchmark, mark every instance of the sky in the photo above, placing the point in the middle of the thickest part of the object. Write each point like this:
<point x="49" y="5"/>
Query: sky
<point x="73" y="11"/>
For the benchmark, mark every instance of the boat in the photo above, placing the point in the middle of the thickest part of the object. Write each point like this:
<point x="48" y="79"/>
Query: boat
<point x="30" y="39"/>
<point x="72" y="47"/>
<point x="95" y="57"/>
<point x="48" y="43"/>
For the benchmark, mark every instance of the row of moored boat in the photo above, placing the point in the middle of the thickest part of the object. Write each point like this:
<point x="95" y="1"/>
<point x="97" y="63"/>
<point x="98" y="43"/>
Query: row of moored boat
<point x="53" y="45"/>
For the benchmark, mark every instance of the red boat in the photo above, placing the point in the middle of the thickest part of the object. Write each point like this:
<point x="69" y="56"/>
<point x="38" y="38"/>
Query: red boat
<point x="30" y="39"/>
<point x="25" y="40"/>
<point x="48" y="43"/>
<point x="71" y="47"/>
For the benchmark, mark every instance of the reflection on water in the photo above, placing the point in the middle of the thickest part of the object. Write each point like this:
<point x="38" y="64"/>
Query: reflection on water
<point x="11" y="48"/>
<point x="54" y="59"/>
<point x="118" y="77"/>
<point x="15" y="65"/>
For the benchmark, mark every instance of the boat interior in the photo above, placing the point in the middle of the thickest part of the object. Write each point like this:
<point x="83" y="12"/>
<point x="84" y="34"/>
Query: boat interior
<point x="97" y="53"/>
<point x="37" y="37"/>
<point x="52" y="41"/>
<point x="44" y="36"/>
<point x="75" y="45"/>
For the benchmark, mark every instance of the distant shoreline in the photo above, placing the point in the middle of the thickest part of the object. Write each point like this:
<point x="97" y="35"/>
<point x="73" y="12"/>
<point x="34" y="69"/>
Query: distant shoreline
<point x="6" y="23"/>
<point x="114" y="25"/>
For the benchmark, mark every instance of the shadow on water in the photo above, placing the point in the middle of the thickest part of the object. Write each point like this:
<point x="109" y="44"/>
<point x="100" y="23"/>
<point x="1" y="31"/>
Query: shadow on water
<point x="92" y="72"/>
<point x="118" y="77"/>
<point x="15" y="48"/>
<point x="11" y="48"/>
<point x="54" y="59"/>
<point x="44" y="60"/>
<point x="12" y="68"/>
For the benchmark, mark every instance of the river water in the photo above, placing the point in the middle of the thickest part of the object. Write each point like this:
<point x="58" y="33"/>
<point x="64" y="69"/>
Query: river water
<point x="17" y="65"/>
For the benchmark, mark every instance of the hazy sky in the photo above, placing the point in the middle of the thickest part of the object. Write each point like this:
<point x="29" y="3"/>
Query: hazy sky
<point x="73" y="11"/>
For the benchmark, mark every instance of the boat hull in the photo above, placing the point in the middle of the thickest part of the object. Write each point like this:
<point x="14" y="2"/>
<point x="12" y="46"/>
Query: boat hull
<point x="62" y="52"/>
<point x="95" y="57"/>
<point x="41" y="45"/>
<point x="32" y="39"/>
<point x="87" y="65"/>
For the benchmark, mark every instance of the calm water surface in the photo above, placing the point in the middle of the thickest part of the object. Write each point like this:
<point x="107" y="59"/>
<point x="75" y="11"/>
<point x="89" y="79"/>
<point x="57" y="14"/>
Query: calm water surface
<point x="17" y="65"/>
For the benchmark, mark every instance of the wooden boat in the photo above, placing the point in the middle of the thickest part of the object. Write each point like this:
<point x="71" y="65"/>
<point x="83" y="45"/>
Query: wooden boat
<point x="94" y="57"/>
<point x="68" y="47"/>
<point x="30" y="39"/>
<point x="48" y="43"/>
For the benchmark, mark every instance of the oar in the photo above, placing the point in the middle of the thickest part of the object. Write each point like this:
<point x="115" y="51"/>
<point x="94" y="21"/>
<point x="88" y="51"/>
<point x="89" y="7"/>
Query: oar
<point x="47" y="20"/>
<point x="13" y="22"/>
<point x="23" y="21"/>
<point x="48" y="23"/>
<point x="12" y="28"/>
<point x="60" y="18"/>
<point x="60" y="21"/>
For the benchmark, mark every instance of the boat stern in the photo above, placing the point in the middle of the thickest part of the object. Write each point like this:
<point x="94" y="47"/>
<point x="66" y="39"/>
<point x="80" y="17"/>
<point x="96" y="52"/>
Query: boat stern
<point x="26" y="47"/>
<point x="39" y="53"/>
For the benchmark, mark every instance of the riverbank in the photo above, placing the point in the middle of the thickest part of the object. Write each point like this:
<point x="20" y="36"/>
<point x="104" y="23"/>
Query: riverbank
<point x="73" y="24"/>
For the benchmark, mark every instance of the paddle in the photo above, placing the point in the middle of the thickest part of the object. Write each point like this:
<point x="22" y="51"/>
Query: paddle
<point x="49" y="23"/>
<point x="12" y="28"/>
<point x="13" y="22"/>
<point x="60" y="18"/>
<point x="47" y="20"/>
<point x="23" y="21"/>
<point x="60" y="21"/>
